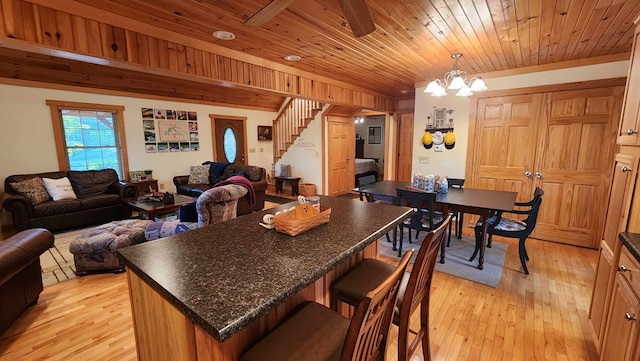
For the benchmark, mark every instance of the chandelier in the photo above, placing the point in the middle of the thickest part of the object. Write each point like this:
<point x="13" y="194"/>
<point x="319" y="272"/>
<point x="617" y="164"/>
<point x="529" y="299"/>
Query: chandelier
<point x="456" y="79"/>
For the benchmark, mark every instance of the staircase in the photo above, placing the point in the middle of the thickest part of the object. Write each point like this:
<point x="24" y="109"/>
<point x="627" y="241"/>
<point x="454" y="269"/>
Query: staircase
<point x="293" y="117"/>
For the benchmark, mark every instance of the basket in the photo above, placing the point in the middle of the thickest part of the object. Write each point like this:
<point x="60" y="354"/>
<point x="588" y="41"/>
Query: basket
<point x="307" y="189"/>
<point x="288" y="223"/>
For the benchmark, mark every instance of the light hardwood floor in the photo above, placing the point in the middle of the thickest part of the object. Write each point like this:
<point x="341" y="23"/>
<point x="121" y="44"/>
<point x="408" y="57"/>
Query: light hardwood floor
<point x="542" y="316"/>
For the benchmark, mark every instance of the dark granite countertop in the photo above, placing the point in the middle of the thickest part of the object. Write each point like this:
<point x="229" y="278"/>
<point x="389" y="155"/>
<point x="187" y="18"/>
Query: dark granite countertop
<point x="225" y="276"/>
<point x="632" y="241"/>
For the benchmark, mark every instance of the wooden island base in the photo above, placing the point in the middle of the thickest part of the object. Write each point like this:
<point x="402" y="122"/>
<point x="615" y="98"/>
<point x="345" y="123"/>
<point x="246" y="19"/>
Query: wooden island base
<point x="165" y="333"/>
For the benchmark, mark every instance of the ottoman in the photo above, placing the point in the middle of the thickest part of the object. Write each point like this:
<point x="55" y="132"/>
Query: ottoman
<point x="97" y="248"/>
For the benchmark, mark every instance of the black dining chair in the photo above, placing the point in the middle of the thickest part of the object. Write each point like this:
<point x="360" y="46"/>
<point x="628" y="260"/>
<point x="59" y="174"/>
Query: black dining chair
<point x="414" y="293"/>
<point x="500" y="225"/>
<point x="457" y="216"/>
<point x="368" y="180"/>
<point x="424" y="219"/>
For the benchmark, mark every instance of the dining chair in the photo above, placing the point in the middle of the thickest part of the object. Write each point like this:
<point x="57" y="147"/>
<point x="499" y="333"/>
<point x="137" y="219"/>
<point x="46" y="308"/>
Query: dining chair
<point x="368" y="180"/>
<point x="414" y="292"/>
<point x="424" y="219"/>
<point x="457" y="216"/>
<point x="315" y="332"/>
<point x="513" y="227"/>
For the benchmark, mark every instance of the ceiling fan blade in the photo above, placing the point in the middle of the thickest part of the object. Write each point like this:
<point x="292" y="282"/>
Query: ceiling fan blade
<point x="268" y="12"/>
<point x="358" y="16"/>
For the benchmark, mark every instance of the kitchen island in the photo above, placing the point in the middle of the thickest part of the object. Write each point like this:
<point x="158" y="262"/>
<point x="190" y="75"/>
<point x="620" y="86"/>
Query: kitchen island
<point x="210" y="293"/>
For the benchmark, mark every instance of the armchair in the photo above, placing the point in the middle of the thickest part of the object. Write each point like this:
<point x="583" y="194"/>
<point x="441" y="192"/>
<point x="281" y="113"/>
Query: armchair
<point x="513" y="227"/>
<point x="215" y="205"/>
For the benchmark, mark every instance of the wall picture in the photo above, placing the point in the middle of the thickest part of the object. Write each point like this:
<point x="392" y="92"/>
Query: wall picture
<point x="264" y="132"/>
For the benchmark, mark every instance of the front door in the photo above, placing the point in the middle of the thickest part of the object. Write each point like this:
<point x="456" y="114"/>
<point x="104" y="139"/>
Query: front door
<point x="228" y="135"/>
<point x="341" y="155"/>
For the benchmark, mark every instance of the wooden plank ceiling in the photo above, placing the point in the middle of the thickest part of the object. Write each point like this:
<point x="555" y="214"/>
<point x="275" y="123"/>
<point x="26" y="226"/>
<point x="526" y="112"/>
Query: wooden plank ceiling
<point x="413" y="39"/>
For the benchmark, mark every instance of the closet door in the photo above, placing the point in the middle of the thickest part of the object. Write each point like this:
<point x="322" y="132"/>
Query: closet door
<point x="562" y="141"/>
<point x="505" y="143"/>
<point x="573" y="164"/>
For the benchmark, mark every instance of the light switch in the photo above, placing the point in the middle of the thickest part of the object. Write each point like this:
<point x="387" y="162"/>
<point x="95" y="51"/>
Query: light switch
<point x="252" y="150"/>
<point x="424" y="160"/>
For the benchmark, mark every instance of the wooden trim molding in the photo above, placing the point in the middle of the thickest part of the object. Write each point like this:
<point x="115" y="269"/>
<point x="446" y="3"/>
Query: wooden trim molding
<point x="56" y="105"/>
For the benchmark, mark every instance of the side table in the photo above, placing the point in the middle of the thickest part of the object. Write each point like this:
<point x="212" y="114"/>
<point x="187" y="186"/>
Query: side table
<point x="294" y="181"/>
<point x="143" y="186"/>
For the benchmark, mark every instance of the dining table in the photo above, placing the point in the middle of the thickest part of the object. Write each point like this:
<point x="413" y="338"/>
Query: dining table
<point x="467" y="200"/>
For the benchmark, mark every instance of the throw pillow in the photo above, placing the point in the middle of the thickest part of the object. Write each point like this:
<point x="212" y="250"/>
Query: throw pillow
<point x="199" y="174"/>
<point x="59" y="189"/>
<point x="33" y="189"/>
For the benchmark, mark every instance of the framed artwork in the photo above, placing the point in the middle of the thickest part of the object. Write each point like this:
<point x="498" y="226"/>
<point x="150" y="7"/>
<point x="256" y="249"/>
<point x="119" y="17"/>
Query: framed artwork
<point x="168" y="130"/>
<point x="173" y="131"/>
<point x="264" y="132"/>
<point x="375" y="135"/>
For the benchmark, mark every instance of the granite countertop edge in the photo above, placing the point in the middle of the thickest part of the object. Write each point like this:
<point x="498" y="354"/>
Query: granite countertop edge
<point x="232" y="329"/>
<point x="632" y="242"/>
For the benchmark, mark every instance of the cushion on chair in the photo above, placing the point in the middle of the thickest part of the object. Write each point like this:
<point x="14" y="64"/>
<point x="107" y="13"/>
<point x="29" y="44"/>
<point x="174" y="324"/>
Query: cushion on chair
<point x="506" y="224"/>
<point x="366" y="276"/>
<point x="313" y="333"/>
<point x="437" y="219"/>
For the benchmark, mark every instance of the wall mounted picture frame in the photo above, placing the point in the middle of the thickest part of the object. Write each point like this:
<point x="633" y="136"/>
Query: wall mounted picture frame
<point x="375" y="135"/>
<point x="169" y="130"/>
<point x="265" y="132"/>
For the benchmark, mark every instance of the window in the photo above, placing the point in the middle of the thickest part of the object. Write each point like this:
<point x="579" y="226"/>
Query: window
<point x="89" y="136"/>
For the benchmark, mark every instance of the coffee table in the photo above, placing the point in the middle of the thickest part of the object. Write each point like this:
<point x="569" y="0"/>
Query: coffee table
<point x="150" y="210"/>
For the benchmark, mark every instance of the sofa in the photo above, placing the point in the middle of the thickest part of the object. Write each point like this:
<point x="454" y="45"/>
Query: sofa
<point x="20" y="274"/>
<point x="218" y="173"/>
<point x="98" y="194"/>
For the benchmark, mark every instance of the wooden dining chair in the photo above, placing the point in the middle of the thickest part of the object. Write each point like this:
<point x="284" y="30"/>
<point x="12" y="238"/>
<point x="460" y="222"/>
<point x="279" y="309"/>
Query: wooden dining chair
<point x="415" y="291"/>
<point x="424" y="219"/>
<point x="513" y="227"/>
<point x="457" y="216"/>
<point x="316" y="333"/>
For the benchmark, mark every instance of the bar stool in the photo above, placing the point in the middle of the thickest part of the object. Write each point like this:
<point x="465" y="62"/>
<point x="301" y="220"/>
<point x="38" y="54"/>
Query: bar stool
<point x="316" y="332"/>
<point x="414" y="291"/>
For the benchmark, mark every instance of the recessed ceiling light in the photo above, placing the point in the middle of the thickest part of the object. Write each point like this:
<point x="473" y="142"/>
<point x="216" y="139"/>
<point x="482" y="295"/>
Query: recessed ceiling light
<point x="292" y="57"/>
<point x="224" y="35"/>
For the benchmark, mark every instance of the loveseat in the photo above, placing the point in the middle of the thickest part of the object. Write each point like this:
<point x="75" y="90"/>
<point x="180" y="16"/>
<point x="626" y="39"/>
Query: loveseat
<point x="20" y="275"/>
<point x="99" y="199"/>
<point x="256" y="175"/>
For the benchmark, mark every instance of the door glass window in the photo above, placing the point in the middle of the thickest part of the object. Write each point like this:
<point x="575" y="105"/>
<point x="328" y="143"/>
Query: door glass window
<point x="230" y="145"/>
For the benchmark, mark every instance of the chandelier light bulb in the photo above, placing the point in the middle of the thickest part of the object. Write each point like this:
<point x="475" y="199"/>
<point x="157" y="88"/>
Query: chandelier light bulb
<point x="477" y="84"/>
<point x="457" y="83"/>
<point x="456" y="79"/>
<point x="464" y="92"/>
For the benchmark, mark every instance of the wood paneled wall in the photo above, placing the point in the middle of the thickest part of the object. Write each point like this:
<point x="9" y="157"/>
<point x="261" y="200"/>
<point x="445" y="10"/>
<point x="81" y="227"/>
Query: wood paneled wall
<point x="52" y="28"/>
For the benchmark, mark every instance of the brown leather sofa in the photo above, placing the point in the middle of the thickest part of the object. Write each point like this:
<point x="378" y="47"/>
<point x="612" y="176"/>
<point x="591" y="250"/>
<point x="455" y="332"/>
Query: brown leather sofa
<point x="20" y="273"/>
<point x="257" y="176"/>
<point x="99" y="194"/>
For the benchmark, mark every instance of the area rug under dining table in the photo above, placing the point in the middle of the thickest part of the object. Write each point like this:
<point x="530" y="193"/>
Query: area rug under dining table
<point x="457" y="258"/>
